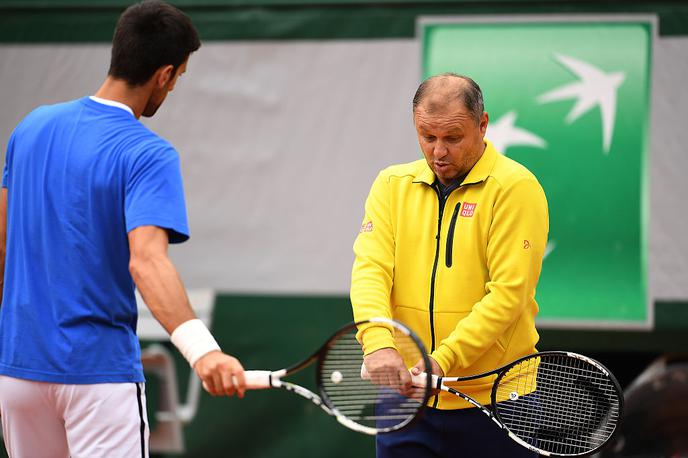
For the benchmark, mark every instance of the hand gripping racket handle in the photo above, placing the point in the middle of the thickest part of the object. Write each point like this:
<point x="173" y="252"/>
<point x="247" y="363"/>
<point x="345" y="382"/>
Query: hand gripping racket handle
<point x="258" y="380"/>
<point x="420" y="380"/>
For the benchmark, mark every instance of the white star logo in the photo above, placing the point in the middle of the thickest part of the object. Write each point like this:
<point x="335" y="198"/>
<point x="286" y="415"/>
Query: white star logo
<point x="595" y="87"/>
<point x="503" y="133"/>
<point x="551" y="245"/>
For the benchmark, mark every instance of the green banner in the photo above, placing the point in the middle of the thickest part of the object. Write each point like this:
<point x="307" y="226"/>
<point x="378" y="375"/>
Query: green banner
<point x="74" y="21"/>
<point x="570" y="101"/>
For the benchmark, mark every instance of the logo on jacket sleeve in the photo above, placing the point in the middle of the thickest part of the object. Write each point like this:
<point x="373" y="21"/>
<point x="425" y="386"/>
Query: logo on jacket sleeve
<point x="468" y="209"/>
<point x="366" y="227"/>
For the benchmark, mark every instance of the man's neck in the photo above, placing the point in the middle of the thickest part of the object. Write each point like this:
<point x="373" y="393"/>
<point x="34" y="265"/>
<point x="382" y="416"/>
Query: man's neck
<point x="119" y="91"/>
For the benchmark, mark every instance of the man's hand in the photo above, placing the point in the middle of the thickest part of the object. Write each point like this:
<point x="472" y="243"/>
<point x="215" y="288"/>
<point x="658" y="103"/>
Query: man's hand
<point x="434" y="367"/>
<point x="386" y="368"/>
<point x="420" y="365"/>
<point x="222" y="375"/>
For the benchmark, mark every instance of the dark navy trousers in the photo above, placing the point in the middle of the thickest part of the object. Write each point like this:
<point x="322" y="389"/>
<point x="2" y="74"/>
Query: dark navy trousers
<point x="464" y="433"/>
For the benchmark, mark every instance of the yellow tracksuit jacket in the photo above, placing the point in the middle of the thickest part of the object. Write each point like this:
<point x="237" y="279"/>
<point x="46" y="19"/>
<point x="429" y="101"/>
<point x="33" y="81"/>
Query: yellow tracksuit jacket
<point x="462" y="274"/>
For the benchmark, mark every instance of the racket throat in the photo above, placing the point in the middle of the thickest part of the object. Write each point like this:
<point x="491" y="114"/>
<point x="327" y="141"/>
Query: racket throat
<point x="306" y="393"/>
<point x="471" y="401"/>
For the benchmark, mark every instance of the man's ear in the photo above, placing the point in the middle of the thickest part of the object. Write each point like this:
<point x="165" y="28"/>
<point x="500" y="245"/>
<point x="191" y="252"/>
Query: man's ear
<point x="484" y="119"/>
<point x="163" y="75"/>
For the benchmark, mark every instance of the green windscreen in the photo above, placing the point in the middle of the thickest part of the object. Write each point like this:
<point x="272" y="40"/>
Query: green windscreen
<point x="570" y="101"/>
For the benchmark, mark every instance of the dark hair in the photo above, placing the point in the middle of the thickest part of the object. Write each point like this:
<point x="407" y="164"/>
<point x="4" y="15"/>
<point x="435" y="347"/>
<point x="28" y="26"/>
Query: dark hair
<point x="150" y="35"/>
<point x="470" y="93"/>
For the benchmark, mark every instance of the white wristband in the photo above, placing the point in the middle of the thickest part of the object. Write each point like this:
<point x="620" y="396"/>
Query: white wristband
<point x="194" y="340"/>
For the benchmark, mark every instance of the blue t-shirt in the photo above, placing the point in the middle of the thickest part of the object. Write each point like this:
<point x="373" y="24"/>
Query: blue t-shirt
<point x="79" y="176"/>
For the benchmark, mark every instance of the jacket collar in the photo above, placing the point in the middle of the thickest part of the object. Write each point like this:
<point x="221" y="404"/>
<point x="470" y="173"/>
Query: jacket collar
<point x="426" y="175"/>
<point x="480" y="171"/>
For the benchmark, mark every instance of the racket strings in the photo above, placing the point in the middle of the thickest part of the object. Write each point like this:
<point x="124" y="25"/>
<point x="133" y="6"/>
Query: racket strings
<point x="359" y="399"/>
<point x="558" y="403"/>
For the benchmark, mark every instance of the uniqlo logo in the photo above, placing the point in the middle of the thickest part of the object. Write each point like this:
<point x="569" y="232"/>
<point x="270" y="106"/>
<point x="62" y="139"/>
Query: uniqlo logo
<point x="367" y="227"/>
<point x="468" y="209"/>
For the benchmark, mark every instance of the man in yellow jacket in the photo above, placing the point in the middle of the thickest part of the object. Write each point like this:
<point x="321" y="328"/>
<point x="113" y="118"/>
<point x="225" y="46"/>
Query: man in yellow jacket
<point x="451" y="246"/>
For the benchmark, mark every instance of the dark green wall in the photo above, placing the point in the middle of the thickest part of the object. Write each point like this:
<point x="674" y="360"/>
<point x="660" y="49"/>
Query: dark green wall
<point x="89" y="21"/>
<point x="272" y="332"/>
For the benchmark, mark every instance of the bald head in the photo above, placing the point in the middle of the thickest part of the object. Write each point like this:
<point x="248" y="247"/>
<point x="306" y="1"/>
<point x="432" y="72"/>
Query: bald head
<point x="437" y="92"/>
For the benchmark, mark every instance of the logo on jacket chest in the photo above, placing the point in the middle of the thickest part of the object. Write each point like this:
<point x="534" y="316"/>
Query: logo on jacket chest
<point x="468" y="209"/>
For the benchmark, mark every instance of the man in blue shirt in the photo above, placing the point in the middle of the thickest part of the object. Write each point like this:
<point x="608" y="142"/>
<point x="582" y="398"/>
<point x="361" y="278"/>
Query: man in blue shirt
<point x="91" y="199"/>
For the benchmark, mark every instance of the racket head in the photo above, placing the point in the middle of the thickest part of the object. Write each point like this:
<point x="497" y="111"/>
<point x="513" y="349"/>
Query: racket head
<point x="357" y="402"/>
<point x="558" y="403"/>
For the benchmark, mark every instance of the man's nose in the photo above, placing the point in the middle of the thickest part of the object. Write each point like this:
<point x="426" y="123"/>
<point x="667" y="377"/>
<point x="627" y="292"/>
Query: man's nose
<point x="440" y="149"/>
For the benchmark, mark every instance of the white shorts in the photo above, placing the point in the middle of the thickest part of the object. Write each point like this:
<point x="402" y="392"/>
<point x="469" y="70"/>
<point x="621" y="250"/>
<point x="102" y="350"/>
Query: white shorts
<point x="53" y="420"/>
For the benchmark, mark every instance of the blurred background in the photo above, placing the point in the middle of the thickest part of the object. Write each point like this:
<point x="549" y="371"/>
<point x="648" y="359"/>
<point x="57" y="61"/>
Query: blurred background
<point x="290" y="109"/>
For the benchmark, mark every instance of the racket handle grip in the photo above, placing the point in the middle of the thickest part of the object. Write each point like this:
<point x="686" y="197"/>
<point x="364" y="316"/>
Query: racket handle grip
<point x="420" y="380"/>
<point x="258" y="380"/>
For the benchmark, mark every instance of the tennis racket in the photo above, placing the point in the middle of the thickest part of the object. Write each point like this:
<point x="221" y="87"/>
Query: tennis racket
<point x="355" y="402"/>
<point x="554" y="403"/>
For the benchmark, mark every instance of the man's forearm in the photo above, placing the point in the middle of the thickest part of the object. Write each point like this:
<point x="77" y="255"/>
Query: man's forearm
<point x="161" y="287"/>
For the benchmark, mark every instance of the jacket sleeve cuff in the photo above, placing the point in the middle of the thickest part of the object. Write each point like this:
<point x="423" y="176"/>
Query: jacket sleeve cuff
<point x="376" y="338"/>
<point x="445" y="357"/>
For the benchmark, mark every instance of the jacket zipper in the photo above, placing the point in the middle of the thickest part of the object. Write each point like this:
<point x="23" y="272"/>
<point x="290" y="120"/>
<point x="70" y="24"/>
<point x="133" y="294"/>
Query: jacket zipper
<point x="432" y="280"/>
<point x="434" y="269"/>
<point x="450" y="235"/>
